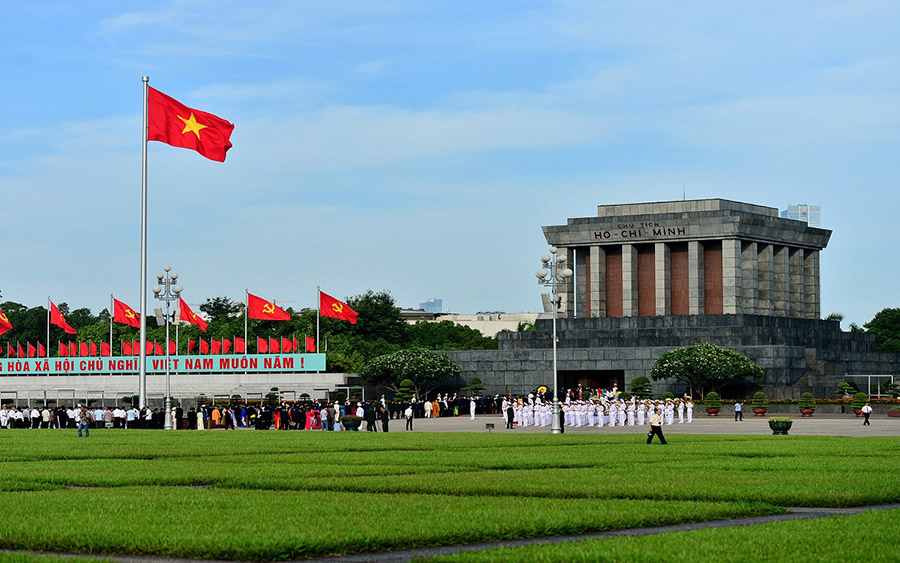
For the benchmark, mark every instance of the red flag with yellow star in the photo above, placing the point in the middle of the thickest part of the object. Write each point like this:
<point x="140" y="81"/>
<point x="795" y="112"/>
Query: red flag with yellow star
<point x="5" y="325"/>
<point x="331" y="307"/>
<point x="124" y="314"/>
<point x="173" y="123"/>
<point x="190" y="316"/>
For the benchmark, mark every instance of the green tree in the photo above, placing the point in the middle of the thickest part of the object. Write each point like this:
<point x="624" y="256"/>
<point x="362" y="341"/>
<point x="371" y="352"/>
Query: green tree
<point x="886" y="328"/>
<point x="704" y="366"/>
<point x="422" y="367"/>
<point x="475" y="387"/>
<point x="640" y="387"/>
<point x="446" y="335"/>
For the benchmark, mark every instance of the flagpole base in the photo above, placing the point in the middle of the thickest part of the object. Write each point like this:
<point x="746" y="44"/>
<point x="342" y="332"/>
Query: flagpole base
<point x="555" y="427"/>
<point x="168" y="423"/>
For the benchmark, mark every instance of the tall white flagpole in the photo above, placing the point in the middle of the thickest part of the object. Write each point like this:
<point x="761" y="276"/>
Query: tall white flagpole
<point x="111" y="315"/>
<point x="318" y="312"/>
<point x="48" y="326"/>
<point x="246" y="315"/>
<point x="142" y="377"/>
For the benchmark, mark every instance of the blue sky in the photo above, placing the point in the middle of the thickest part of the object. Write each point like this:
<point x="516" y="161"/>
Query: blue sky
<point x="419" y="146"/>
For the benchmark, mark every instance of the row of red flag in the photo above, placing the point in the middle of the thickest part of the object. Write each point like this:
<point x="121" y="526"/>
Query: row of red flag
<point x="257" y="308"/>
<point x="213" y="346"/>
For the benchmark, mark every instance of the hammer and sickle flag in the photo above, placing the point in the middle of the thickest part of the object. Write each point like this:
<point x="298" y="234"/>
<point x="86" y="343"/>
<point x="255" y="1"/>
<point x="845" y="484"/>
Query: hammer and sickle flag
<point x="173" y="123"/>
<point x="331" y="307"/>
<point x="259" y="308"/>
<point x="5" y="325"/>
<point x="124" y="314"/>
<point x="190" y="316"/>
<point x="57" y="319"/>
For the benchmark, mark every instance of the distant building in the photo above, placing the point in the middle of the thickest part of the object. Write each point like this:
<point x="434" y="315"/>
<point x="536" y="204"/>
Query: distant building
<point x="809" y="214"/>
<point x="432" y="305"/>
<point x="489" y="324"/>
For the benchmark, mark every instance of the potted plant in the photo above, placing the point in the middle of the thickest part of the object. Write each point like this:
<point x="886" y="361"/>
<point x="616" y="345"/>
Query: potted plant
<point x="894" y="413"/>
<point x="780" y="425"/>
<point x="351" y="422"/>
<point x="760" y="403"/>
<point x="713" y="403"/>
<point x="807" y="404"/>
<point x="859" y="400"/>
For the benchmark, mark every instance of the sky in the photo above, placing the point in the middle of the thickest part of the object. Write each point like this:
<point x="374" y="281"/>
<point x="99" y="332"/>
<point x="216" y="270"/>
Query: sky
<point x="418" y="147"/>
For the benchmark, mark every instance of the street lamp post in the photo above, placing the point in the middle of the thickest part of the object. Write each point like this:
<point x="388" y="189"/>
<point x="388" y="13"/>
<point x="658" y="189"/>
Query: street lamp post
<point x="555" y="279"/>
<point x="167" y="292"/>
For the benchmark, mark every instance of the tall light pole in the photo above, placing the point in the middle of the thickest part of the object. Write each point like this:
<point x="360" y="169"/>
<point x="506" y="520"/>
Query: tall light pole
<point x="556" y="278"/>
<point x="168" y="293"/>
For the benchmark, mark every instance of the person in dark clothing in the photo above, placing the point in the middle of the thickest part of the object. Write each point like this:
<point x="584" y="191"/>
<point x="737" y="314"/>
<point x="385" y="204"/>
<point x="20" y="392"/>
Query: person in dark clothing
<point x="370" y="419"/>
<point x="510" y="416"/>
<point x="192" y="419"/>
<point x="385" y="417"/>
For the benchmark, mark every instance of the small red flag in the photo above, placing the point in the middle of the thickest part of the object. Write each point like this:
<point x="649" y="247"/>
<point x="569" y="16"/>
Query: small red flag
<point x="126" y="348"/>
<point x="331" y="307"/>
<point x="57" y="319"/>
<point x="151" y="349"/>
<point x="172" y="349"/>
<point x="5" y="325"/>
<point x="159" y="349"/>
<point x="262" y="345"/>
<point x="240" y="347"/>
<point x="105" y="350"/>
<point x="10" y="351"/>
<point x="83" y="349"/>
<point x="296" y="345"/>
<point x="310" y="344"/>
<point x="173" y="123"/>
<point x="31" y="350"/>
<point x="93" y="346"/>
<point x="204" y="347"/>
<point x="273" y="346"/>
<point x="191" y="345"/>
<point x="135" y="348"/>
<point x="21" y="352"/>
<point x="286" y="346"/>
<point x="42" y="352"/>
<point x="261" y="309"/>
<point x="226" y="345"/>
<point x="125" y="314"/>
<point x="73" y="350"/>
<point x="191" y="317"/>
<point x="215" y="346"/>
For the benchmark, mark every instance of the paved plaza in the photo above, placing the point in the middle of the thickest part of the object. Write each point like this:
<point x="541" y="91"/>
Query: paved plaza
<point x="835" y="425"/>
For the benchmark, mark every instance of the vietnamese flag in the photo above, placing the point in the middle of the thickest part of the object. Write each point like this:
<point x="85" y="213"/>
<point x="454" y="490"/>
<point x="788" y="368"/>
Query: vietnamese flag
<point x="105" y="350"/>
<point x="83" y="350"/>
<point x="10" y="351"/>
<point x="216" y="346"/>
<point x="173" y="123"/>
<point x="63" y="350"/>
<point x="57" y="319"/>
<point x="296" y="345"/>
<point x="191" y="345"/>
<point x="159" y="349"/>
<point x="259" y="308"/>
<point x="240" y="347"/>
<point x="126" y="348"/>
<point x="204" y="347"/>
<point x="310" y="344"/>
<point x="226" y="345"/>
<point x="262" y="345"/>
<point x="135" y="348"/>
<point x="273" y="346"/>
<point x="93" y="349"/>
<point x="331" y="307"/>
<point x="42" y="352"/>
<point x="172" y="349"/>
<point x="286" y="346"/>
<point x="188" y="315"/>
<point x="5" y="325"/>
<point x="73" y="350"/>
<point x="125" y="314"/>
<point x="21" y="350"/>
<point x="31" y="350"/>
<point x="149" y="347"/>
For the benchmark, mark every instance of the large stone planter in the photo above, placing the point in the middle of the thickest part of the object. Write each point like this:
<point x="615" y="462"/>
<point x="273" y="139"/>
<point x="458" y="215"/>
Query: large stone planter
<point x="858" y="412"/>
<point x="351" y="424"/>
<point x="894" y="414"/>
<point x="780" y="427"/>
<point x="760" y="411"/>
<point x="713" y="411"/>
<point x="807" y="412"/>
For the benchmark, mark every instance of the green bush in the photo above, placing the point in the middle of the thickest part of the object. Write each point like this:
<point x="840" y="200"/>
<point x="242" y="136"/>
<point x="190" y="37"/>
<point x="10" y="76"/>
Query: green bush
<point x="807" y="401"/>
<point x="781" y="419"/>
<point x="640" y="387"/>
<point x="668" y="395"/>
<point x="760" y="400"/>
<point x="859" y="400"/>
<point x="712" y="401"/>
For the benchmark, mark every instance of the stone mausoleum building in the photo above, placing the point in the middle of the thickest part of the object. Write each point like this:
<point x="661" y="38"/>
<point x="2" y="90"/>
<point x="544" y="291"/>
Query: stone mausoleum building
<point x="650" y="277"/>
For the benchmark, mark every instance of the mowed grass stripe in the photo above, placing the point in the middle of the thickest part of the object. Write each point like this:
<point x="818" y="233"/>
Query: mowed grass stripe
<point x="216" y="523"/>
<point x="871" y="536"/>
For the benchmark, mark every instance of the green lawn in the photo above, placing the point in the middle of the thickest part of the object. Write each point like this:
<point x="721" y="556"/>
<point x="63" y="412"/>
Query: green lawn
<point x="278" y="495"/>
